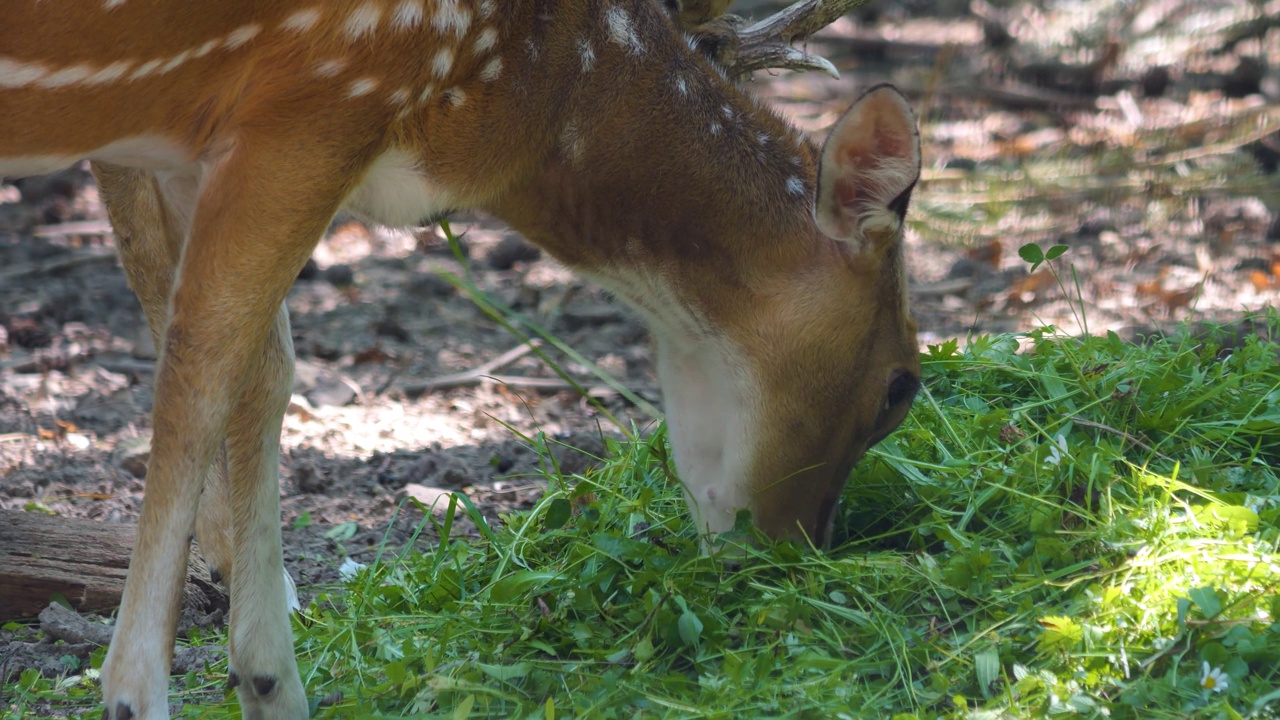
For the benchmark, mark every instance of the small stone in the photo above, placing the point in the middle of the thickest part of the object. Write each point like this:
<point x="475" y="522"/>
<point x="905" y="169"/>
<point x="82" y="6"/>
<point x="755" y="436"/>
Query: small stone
<point x="389" y="326"/>
<point x="331" y="392"/>
<point x="1246" y="78"/>
<point x="311" y="479"/>
<point x="433" y="498"/>
<point x="579" y="315"/>
<point x="340" y="275"/>
<point x="963" y="268"/>
<point x="511" y="250"/>
<point x="429" y="285"/>
<point x="78" y="441"/>
<point x="133" y="454"/>
<point x="309" y="271"/>
<point x="1155" y="81"/>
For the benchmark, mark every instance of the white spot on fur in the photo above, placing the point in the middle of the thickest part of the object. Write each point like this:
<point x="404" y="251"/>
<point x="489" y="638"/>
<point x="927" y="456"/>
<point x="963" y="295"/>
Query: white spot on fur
<point x="682" y="86"/>
<point x="425" y="95"/>
<point x="362" y="21"/>
<point x="407" y="15"/>
<point x="532" y="48"/>
<point x="691" y="41"/>
<point x="145" y="69"/>
<point x="112" y="4"/>
<point x="443" y="62"/>
<point x="491" y="70"/>
<point x="726" y="111"/>
<point x="486" y="9"/>
<point x="302" y="20"/>
<point x="110" y="73"/>
<point x="588" y="55"/>
<point x="16" y="74"/>
<point x="486" y="40"/>
<point x="208" y="47"/>
<point x="455" y="97"/>
<point x="361" y="86"/>
<point x="621" y="30"/>
<point x="449" y="16"/>
<point x="400" y="97"/>
<point x="65" y="76"/>
<point x="795" y="185"/>
<point x="176" y="61"/>
<point x="762" y="138"/>
<point x="715" y="128"/>
<point x="329" y="68"/>
<point x="795" y="160"/>
<point x="242" y="35"/>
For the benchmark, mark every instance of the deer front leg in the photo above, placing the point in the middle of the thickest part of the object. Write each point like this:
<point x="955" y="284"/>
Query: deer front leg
<point x="224" y="373"/>
<point x="151" y="215"/>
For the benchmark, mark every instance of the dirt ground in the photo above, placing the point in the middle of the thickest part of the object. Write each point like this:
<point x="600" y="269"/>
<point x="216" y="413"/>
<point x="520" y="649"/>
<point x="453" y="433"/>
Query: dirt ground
<point x="373" y="322"/>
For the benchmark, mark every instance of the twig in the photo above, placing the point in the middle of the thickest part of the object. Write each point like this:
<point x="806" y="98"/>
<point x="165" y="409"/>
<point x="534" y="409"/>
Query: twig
<point x="954" y="286"/>
<point x="83" y="257"/>
<point x="1022" y="96"/>
<point x="36" y="363"/>
<point x="125" y="366"/>
<point x="83" y="227"/>
<point x="519" y="381"/>
<point x="1121" y="434"/>
<point x="474" y="375"/>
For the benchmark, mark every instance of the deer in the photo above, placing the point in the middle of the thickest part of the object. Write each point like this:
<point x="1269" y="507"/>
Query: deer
<point x="225" y="136"/>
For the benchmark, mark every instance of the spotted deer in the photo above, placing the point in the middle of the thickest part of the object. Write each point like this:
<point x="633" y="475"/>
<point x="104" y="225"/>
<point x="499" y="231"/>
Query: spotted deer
<point x="225" y="136"/>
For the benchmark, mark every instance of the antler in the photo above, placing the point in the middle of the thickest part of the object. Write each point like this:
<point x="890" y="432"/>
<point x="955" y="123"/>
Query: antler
<point x="768" y="43"/>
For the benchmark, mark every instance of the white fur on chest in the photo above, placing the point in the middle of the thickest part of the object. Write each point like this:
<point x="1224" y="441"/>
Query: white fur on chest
<point x="396" y="192"/>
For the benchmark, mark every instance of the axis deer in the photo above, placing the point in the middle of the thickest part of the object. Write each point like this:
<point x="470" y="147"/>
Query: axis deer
<point x="225" y="135"/>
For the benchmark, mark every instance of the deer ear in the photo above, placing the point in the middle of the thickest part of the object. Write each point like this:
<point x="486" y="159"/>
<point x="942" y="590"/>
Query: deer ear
<point x="869" y="165"/>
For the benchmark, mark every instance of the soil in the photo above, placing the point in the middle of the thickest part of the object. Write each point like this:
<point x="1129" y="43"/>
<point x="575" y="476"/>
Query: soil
<point x="373" y="321"/>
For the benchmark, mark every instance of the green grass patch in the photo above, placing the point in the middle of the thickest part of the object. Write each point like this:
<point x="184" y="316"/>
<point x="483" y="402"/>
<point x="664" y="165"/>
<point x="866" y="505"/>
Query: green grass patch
<point x="1064" y="526"/>
<point x="1076" y="528"/>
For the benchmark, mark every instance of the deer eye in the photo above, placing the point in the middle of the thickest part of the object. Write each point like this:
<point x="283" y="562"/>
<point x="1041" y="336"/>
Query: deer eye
<point x="902" y="388"/>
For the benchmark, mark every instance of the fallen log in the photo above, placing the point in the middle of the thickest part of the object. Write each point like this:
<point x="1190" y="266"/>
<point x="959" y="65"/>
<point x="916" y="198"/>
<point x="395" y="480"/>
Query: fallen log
<point x="83" y="560"/>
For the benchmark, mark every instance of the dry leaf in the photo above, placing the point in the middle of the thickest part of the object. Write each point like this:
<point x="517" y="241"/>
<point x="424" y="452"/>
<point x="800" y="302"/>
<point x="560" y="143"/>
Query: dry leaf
<point x="1154" y="288"/>
<point x="1025" y="290"/>
<point x="1175" y="300"/>
<point x="989" y="253"/>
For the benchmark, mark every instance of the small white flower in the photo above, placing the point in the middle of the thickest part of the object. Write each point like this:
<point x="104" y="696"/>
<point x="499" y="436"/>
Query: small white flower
<point x="1213" y="679"/>
<point x="1056" y="450"/>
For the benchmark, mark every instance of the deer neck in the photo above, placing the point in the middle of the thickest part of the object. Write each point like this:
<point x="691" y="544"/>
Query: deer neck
<point x="653" y="166"/>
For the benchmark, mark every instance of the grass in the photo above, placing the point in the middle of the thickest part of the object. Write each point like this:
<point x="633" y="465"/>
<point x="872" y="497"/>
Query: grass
<point x="1063" y="527"/>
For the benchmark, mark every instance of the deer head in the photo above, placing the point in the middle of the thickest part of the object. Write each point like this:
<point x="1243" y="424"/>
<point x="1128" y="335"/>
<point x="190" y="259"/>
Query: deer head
<point x="815" y="363"/>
